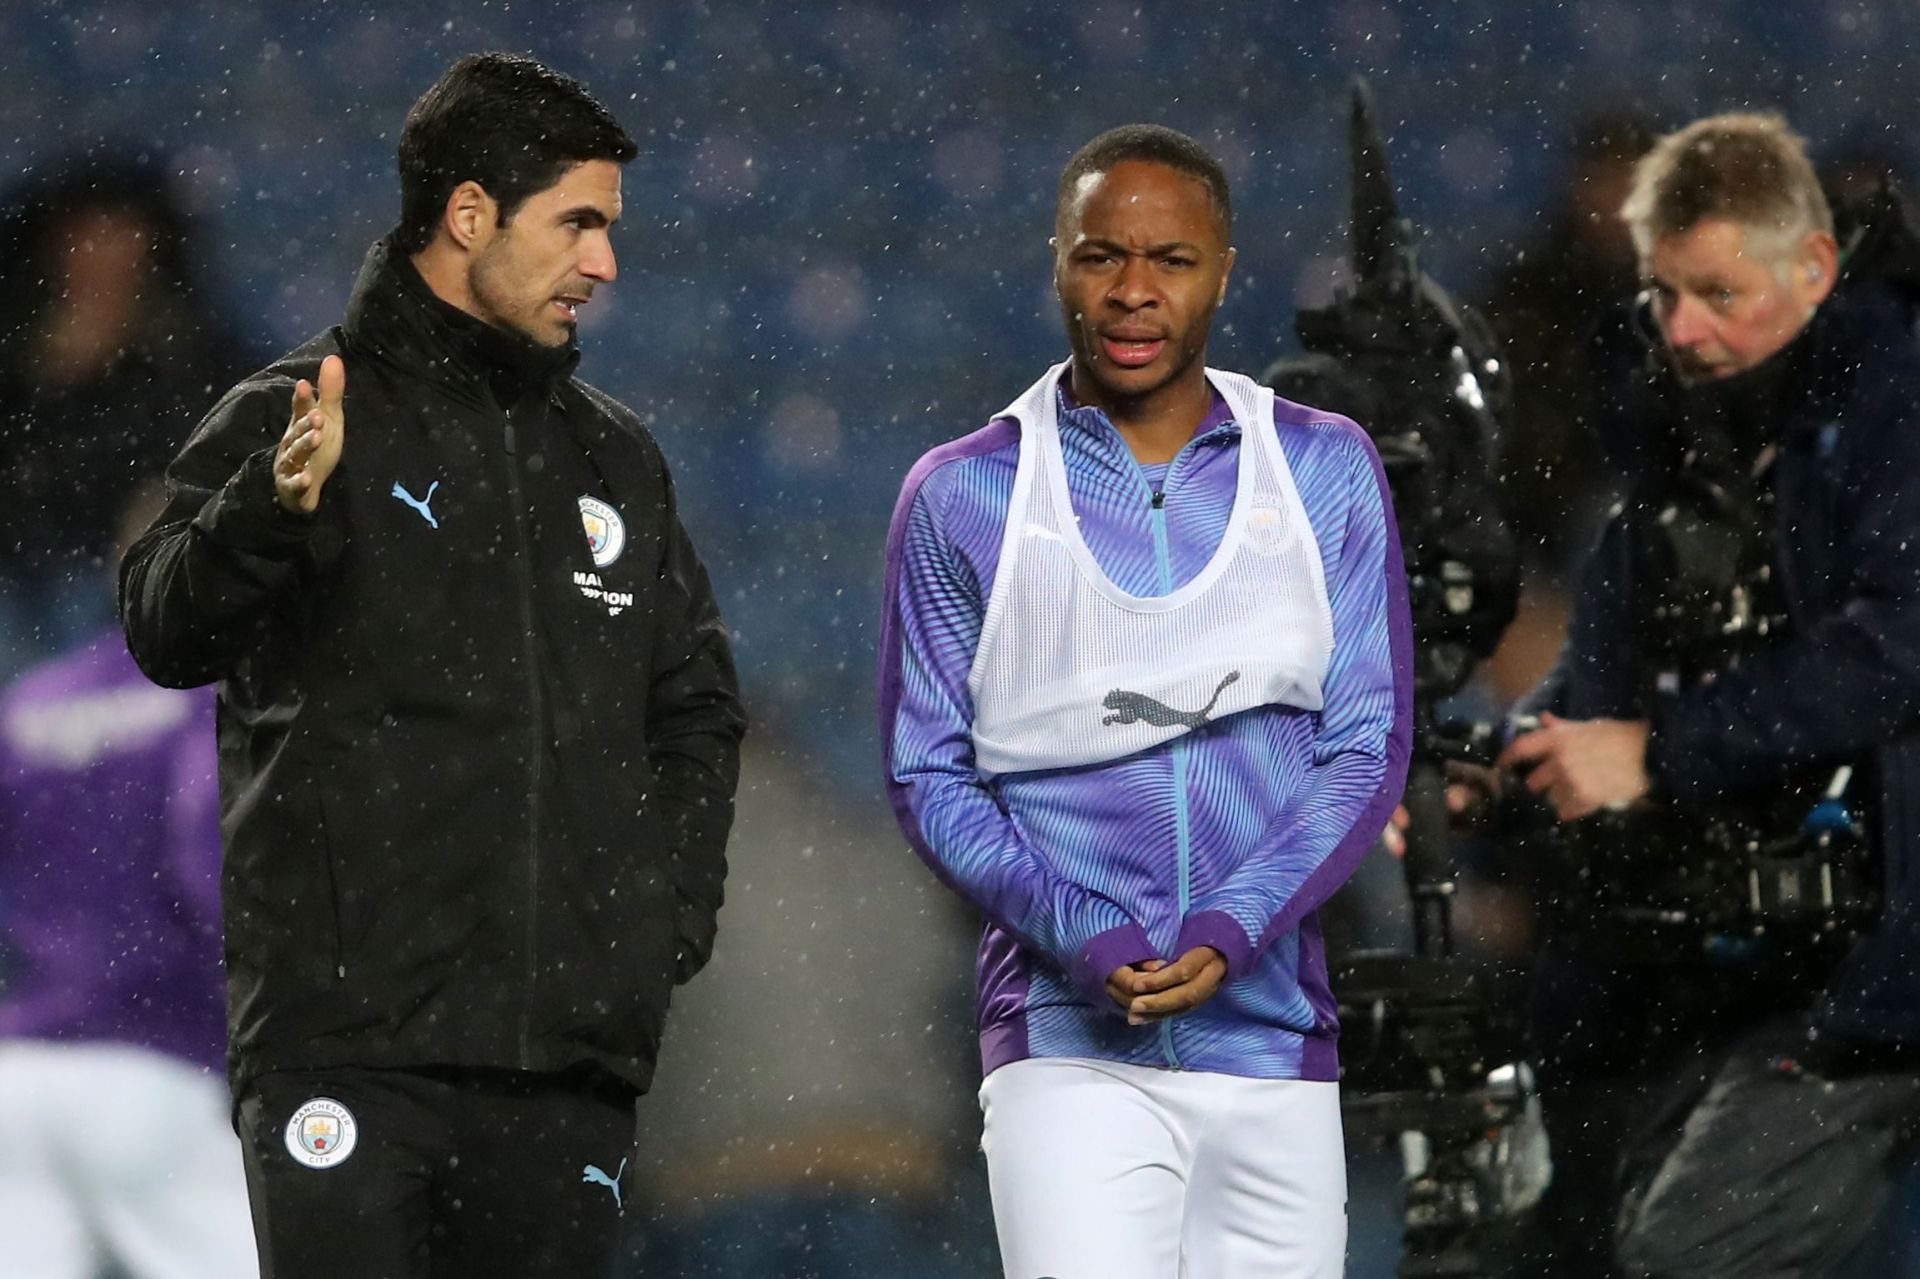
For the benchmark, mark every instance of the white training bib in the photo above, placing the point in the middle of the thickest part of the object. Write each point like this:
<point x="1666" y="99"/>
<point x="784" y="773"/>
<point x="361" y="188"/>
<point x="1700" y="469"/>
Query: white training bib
<point x="1071" y="670"/>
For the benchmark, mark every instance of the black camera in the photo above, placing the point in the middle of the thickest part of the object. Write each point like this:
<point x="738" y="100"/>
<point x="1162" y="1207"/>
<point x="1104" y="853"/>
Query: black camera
<point x="1786" y="866"/>
<point x="1431" y="1041"/>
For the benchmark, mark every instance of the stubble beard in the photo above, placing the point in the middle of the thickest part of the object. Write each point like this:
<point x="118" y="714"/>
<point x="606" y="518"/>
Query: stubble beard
<point x="492" y="292"/>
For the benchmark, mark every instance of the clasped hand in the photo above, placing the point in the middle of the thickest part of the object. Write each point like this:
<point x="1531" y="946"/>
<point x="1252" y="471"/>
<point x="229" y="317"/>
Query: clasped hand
<point x="1155" y="990"/>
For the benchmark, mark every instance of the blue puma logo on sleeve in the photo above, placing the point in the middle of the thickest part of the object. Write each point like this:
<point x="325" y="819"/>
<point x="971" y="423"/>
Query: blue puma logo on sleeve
<point x="418" y="503"/>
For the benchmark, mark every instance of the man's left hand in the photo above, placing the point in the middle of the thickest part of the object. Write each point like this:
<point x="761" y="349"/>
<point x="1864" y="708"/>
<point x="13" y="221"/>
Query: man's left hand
<point x="1582" y="766"/>
<point x="1181" y="986"/>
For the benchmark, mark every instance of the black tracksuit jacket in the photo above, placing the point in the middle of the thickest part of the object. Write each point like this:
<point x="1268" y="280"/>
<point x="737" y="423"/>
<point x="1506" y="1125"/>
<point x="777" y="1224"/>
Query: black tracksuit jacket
<point x="476" y="789"/>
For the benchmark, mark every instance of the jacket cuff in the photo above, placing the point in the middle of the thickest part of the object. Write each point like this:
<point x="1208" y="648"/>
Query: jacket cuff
<point x="1115" y="948"/>
<point x="246" y="515"/>
<point x="1672" y="764"/>
<point x="1221" y="931"/>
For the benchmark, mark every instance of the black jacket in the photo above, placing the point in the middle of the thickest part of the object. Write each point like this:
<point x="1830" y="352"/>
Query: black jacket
<point x="476" y="789"/>
<point x="1844" y="686"/>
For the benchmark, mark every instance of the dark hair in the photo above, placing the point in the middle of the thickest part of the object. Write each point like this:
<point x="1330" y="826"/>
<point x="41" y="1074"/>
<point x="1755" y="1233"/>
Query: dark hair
<point x="182" y="323"/>
<point x="506" y="122"/>
<point x="1155" y="144"/>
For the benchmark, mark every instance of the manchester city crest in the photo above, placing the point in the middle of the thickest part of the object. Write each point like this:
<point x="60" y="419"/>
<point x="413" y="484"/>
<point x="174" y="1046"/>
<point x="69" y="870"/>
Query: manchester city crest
<point x="322" y="1133"/>
<point x="1268" y="531"/>
<point x="606" y="531"/>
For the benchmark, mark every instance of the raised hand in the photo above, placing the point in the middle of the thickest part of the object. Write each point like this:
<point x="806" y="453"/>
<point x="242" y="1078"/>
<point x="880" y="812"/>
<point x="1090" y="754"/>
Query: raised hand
<point x="308" y="452"/>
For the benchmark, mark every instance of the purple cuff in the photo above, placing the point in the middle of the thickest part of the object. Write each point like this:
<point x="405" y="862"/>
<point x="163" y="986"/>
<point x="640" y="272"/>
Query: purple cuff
<point x="1221" y="931"/>
<point x="1115" y="948"/>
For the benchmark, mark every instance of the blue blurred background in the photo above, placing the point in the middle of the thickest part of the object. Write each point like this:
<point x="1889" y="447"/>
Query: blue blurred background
<point x="834" y="252"/>
<point x="833" y="258"/>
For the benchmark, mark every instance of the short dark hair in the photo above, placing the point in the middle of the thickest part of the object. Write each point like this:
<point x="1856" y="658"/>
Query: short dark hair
<point x="506" y="122"/>
<point x="1156" y="144"/>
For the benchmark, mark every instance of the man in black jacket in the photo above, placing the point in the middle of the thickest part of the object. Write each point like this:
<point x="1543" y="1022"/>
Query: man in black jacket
<point x="479" y="727"/>
<point x="1784" y="410"/>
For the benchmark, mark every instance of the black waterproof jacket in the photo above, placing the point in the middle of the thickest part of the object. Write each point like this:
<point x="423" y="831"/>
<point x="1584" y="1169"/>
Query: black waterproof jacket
<point x="1844" y="687"/>
<point x="477" y="770"/>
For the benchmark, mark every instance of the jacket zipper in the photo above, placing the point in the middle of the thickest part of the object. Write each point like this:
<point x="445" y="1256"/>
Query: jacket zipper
<point x="536" y="700"/>
<point x="1163" y="560"/>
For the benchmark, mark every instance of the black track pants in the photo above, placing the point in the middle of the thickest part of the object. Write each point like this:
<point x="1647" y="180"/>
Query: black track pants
<point x="450" y="1173"/>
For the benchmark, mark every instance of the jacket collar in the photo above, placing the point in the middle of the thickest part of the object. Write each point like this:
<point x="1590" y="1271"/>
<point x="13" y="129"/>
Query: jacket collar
<point x="1218" y="423"/>
<point x="394" y="314"/>
<point x="1801" y="389"/>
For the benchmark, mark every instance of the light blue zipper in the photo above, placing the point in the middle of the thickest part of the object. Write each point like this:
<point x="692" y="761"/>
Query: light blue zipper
<point x="1163" y="560"/>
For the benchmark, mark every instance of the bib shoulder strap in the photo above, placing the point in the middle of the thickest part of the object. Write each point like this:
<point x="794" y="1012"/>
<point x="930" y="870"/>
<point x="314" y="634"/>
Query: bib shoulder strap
<point x="1033" y="405"/>
<point x="1252" y="403"/>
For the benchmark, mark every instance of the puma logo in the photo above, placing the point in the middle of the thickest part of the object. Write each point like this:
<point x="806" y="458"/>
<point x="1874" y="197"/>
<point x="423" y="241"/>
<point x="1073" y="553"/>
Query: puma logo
<point x="1128" y="708"/>
<point x="418" y="503"/>
<point x="591" y="1173"/>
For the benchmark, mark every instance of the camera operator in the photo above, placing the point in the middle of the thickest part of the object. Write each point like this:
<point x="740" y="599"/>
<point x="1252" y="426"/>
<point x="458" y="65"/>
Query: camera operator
<point x="1740" y="1113"/>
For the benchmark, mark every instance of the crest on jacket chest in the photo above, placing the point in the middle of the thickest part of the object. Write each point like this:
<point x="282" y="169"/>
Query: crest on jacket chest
<point x="606" y="542"/>
<point x="606" y="531"/>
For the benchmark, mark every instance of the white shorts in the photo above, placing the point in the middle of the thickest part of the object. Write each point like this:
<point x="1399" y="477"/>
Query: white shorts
<point x="112" y="1153"/>
<point x="1107" y="1171"/>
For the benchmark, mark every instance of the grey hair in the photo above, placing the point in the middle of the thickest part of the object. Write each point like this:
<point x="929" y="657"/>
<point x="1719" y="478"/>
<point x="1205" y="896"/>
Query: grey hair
<point x="1746" y="167"/>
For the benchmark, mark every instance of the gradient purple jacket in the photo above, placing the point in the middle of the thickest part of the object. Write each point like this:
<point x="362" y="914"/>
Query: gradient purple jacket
<point x="110" y="859"/>
<point x="1230" y="836"/>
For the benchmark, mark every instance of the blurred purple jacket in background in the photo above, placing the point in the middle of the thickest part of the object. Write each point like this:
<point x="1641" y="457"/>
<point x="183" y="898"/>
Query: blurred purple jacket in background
<point x="110" y="858"/>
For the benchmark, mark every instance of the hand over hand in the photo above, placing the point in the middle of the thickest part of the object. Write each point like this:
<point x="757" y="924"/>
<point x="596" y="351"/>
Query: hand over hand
<point x="1156" y="990"/>
<point x="1120" y="980"/>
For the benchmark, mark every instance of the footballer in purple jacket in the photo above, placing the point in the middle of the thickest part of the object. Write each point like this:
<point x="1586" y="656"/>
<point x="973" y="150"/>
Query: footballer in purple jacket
<point x="116" y="1140"/>
<point x="1145" y="699"/>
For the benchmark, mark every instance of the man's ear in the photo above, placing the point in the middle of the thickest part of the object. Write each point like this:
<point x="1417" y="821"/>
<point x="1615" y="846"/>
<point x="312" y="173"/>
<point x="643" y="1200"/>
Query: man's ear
<point x="1226" y="273"/>
<point x="472" y="216"/>
<point x="1818" y="268"/>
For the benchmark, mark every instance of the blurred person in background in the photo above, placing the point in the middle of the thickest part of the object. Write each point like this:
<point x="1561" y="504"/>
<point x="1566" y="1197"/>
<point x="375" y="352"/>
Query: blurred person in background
<point x="1145" y="702"/>
<point x="116" y="1143"/>
<point x="110" y="344"/>
<point x="478" y="718"/>
<point x="1743" y="1114"/>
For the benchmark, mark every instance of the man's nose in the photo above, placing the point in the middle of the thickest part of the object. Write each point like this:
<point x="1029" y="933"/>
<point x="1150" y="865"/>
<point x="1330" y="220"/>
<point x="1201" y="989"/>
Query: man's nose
<point x="597" y="263"/>
<point x="1135" y="286"/>
<point x="1687" y="324"/>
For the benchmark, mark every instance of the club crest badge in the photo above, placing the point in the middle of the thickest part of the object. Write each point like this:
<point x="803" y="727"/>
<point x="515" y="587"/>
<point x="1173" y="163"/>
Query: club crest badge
<point x="1268" y="531"/>
<point x="322" y="1133"/>
<point x="606" y="531"/>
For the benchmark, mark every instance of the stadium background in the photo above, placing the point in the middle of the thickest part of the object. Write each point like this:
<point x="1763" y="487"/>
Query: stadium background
<point x="833" y="257"/>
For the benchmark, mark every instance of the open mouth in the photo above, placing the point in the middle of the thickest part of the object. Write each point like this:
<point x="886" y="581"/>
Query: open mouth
<point x="570" y="308"/>
<point x="1131" y="352"/>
